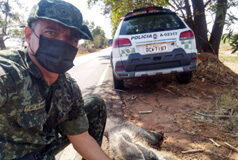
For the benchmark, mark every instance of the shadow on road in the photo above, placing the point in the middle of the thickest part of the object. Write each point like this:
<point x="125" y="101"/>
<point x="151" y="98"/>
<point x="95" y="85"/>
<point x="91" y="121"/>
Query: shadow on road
<point x="104" y="57"/>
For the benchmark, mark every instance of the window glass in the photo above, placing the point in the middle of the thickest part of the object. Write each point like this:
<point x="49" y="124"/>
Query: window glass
<point x="151" y="23"/>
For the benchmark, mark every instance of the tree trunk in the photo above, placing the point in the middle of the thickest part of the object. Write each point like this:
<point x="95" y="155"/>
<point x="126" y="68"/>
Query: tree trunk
<point x="217" y="29"/>
<point x="2" y="44"/>
<point x="189" y="19"/>
<point x="200" y="26"/>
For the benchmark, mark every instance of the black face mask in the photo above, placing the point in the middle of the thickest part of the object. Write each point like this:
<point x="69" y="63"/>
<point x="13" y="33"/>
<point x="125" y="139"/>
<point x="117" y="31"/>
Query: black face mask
<point x="55" y="55"/>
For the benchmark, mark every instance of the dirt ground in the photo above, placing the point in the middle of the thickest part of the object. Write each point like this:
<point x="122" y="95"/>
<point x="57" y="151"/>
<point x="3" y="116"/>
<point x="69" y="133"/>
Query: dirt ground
<point x="186" y="112"/>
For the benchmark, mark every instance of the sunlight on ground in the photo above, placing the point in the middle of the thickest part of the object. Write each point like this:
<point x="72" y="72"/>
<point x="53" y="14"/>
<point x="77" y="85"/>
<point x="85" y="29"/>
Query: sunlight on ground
<point x="230" y="61"/>
<point x="81" y="54"/>
<point x="232" y="65"/>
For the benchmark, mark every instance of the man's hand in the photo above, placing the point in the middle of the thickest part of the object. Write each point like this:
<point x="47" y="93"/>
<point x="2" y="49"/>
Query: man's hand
<point x="87" y="147"/>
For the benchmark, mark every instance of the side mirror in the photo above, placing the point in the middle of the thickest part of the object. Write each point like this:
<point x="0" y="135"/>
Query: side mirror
<point x="110" y="41"/>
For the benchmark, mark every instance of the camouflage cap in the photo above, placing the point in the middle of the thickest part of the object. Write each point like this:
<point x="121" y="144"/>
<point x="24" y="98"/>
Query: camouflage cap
<point x="61" y="12"/>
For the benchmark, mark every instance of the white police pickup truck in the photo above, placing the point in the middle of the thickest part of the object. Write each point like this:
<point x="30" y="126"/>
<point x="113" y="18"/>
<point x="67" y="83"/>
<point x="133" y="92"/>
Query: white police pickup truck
<point x="151" y="41"/>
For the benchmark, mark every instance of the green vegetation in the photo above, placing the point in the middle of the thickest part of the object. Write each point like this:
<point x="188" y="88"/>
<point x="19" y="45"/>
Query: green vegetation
<point x="118" y="9"/>
<point x="193" y="12"/>
<point x="10" y="21"/>
<point x="100" y="40"/>
<point x="232" y="40"/>
<point x="228" y="58"/>
<point x="225" y="46"/>
<point x="99" y="37"/>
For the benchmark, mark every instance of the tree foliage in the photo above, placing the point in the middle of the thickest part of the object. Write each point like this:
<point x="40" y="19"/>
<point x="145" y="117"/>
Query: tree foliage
<point x="10" y="21"/>
<point x="118" y="8"/>
<point x="98" y="34"/>
<point x="232" y="39"/>
<point x="194" y="13"/>
<point x="99" y="37"/>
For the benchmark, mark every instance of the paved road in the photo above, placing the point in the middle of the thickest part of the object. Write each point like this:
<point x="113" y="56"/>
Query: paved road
<point x="90" y="71"/>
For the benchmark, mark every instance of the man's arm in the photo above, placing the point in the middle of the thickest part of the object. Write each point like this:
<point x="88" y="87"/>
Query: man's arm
<point x="87" y="147"/>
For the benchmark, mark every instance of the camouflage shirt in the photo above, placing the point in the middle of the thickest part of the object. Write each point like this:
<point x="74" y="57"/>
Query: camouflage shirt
<point x="32" y="113"/>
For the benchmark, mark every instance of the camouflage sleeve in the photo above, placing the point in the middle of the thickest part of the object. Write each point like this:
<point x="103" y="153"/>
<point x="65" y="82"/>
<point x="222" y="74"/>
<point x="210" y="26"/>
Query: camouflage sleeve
<point x="76" y="126"/>
<point x="3" y="92"/>
<point x="77" y="122"/>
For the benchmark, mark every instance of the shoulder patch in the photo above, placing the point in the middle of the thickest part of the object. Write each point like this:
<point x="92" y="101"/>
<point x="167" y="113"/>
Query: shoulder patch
<point x="2" y="72"/>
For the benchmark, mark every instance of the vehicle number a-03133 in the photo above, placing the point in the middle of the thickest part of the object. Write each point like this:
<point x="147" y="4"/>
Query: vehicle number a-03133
<point x="156" y="48"/>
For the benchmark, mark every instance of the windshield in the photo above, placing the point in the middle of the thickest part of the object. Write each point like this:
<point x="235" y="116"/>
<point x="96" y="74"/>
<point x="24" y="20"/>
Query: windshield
<point x="151" y="23"/>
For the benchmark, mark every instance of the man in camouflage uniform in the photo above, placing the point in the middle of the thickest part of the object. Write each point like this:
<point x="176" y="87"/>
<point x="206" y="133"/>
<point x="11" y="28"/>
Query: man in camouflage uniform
<point x="41" y="107"/>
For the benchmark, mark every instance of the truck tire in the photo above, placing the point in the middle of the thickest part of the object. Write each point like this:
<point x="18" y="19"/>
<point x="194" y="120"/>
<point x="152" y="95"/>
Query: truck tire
<point x="184" y="78"/>
<point x="118" y="83"/>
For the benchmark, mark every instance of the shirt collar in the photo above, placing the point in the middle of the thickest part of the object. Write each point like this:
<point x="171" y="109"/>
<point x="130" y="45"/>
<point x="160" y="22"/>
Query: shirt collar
<point x="34" y="70"/>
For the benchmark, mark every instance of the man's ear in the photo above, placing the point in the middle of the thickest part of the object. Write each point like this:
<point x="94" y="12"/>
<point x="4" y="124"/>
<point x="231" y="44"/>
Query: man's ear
<point x="28" y="31"/>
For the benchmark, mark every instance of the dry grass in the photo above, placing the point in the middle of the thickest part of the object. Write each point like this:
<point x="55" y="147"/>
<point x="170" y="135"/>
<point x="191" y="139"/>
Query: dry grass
<point x="227" y="104"/>
<point x="228" y="58"/>
<point x="232" y="65"/>
<point x="223" y="72"/>
<point x="81" y="54"/>
<point x="230" y="61"/>
<point x="84" y="51"/>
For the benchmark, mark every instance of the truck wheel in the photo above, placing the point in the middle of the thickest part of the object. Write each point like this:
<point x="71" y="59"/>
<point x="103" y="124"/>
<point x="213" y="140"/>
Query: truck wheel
<point x="118" y="83"/>
<point x="184" y="78"/>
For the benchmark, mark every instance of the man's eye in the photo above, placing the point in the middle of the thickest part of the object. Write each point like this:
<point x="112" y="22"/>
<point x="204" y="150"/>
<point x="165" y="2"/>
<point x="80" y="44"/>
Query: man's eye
<point x="74" y="39"/>
<point x="50" y="33"/>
